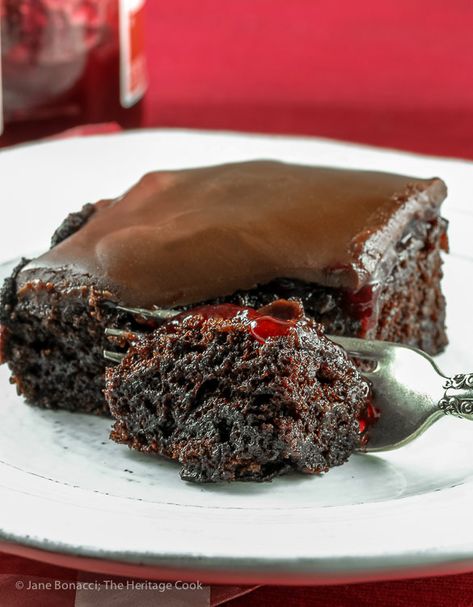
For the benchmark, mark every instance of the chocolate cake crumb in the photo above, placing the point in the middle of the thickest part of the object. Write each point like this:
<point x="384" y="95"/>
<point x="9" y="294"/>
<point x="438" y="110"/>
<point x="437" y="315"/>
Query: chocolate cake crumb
<point x="235" y="394"/>
<point x="8" y="292"/>
<point x="72" y="223"/>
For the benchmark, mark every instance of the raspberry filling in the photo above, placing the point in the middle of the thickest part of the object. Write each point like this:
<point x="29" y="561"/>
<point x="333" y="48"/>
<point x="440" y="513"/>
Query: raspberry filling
<point x="361" y="305"/>
<point x="370" y="416"/>
<point x="265" y="327"/>
<point x="273" y="320"/>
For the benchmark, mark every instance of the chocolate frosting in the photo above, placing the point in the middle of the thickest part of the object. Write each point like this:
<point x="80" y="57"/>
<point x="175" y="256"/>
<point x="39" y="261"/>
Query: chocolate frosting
<point x="182" y="237"/>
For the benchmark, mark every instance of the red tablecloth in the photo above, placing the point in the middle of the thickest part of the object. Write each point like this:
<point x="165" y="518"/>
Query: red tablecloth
<point x="17" y="573"/>
<point x="396" y="73"/>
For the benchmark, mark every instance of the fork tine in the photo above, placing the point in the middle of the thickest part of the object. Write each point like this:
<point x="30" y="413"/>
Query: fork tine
<point x="371" y="376"/>
<point x="360" y="348"/>
<point x="115" y="357"/>
<point x="154" y="313"/>
<point x="122" y="333"/>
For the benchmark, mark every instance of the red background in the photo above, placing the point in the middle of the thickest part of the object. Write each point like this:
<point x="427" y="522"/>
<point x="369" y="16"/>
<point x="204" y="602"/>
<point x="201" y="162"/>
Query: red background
<point x="395" y="73"/>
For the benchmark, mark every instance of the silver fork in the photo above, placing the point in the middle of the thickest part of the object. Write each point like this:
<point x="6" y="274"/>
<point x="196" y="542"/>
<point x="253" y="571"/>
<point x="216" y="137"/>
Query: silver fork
<point x="408" y="389"/>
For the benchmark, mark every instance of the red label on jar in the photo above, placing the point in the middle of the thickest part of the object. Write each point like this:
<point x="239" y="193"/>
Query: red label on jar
<point x="133" y="82"/>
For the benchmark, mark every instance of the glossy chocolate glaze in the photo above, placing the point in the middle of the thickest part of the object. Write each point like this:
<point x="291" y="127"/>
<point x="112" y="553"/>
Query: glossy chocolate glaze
<point x="181" y="237"/>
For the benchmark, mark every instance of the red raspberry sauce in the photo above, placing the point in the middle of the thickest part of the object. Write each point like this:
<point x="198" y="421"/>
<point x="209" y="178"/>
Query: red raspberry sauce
<point x="273" y="320"/>
<point x="362" y="306"/>
<point x="369" y="417"/>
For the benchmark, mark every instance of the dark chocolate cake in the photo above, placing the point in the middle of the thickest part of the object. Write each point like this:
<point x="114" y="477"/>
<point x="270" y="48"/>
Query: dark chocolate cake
<point x="237" y="394"/>
<point x="359" y="249"/>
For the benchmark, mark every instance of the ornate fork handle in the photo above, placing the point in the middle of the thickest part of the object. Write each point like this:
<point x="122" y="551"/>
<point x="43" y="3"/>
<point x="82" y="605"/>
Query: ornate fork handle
<point x="458" y="397"/>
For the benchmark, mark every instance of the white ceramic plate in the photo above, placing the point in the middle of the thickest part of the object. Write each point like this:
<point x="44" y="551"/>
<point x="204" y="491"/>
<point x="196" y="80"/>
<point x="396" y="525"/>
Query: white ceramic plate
<point x="68" y="495"/>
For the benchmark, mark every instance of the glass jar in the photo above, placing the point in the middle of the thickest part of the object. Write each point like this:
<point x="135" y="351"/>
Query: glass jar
<point x="69" y="62"/>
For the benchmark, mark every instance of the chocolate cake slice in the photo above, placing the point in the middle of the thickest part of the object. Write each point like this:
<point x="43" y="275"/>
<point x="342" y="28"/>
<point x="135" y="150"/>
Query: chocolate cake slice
<point x="238" y="394"/>
<point x="359" y="249"/>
